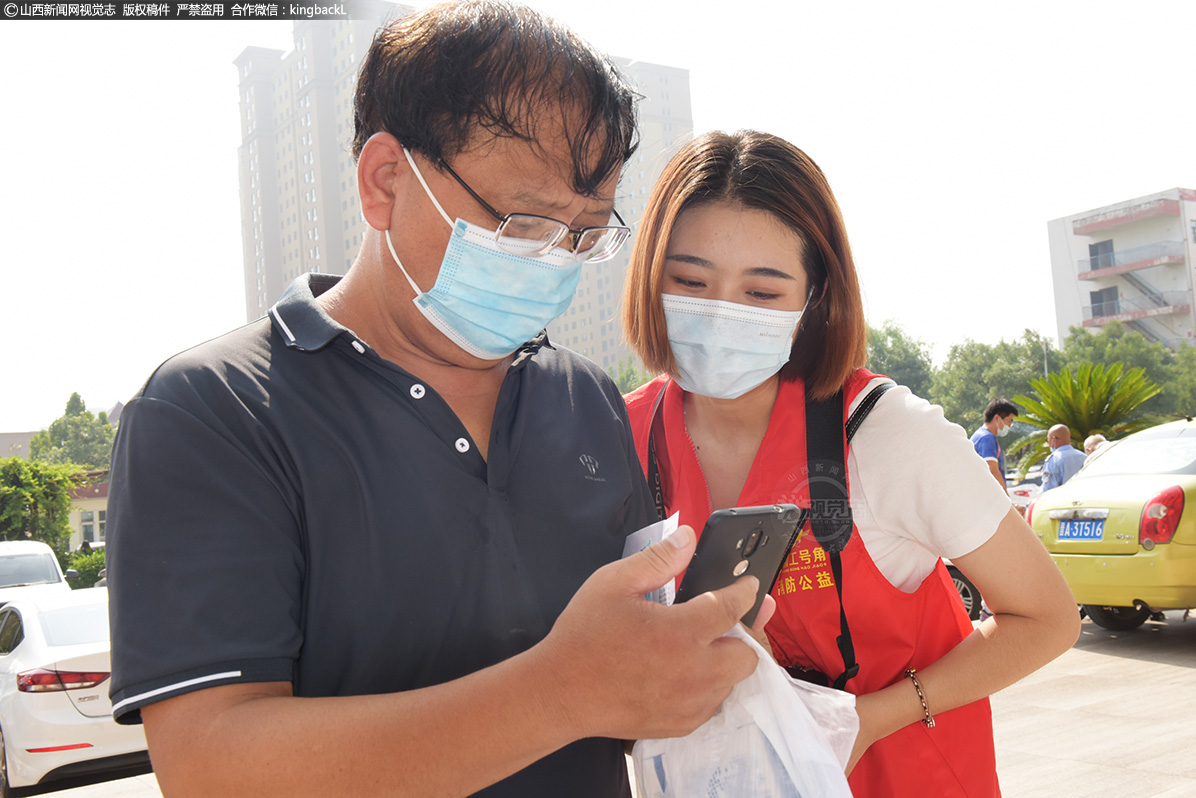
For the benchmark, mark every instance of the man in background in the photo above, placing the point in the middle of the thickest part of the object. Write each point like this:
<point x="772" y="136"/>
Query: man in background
<point x="1094" y="442"/>
<point x="1064" y="460"/>
<point x="998" y="420"/>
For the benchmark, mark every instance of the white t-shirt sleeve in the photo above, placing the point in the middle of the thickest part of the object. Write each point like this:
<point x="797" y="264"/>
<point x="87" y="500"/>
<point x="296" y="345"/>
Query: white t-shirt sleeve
<point x="918" y="489"/>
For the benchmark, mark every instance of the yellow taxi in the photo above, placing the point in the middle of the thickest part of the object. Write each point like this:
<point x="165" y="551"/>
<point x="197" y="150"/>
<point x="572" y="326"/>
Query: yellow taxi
<point x="1118" y="530"/>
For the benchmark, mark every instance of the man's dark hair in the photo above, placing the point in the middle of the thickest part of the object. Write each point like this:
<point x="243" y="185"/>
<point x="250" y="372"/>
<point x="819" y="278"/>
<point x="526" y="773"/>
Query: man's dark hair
<point x="435" y="77"/>
<point x="999" y="407"/>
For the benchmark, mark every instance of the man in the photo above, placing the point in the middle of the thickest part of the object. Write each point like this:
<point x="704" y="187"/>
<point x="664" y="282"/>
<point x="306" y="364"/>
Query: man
<point x="1094" y="442"/>
<point x="998" y="420"/>
<point x="359" y="544"/>
<point x="1064" y="460"/>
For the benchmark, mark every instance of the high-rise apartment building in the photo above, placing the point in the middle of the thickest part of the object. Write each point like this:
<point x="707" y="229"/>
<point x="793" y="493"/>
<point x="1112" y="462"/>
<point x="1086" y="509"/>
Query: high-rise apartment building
<point x="591" y="326"/>
<point x="299" y="204"/>
<point x="1133" y="262"/>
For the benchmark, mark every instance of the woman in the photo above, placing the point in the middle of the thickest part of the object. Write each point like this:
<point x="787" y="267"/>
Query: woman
<point x="742" y="291"/>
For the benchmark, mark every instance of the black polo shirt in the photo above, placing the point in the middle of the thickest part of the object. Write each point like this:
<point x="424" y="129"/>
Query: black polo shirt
<point x="286" y="505"/>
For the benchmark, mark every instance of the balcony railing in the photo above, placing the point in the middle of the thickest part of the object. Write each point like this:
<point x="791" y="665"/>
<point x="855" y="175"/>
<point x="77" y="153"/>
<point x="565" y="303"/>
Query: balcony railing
<point x="1136" y="308"/>
<point x="1146" y="210"/>
<point x="1125" y="260"/>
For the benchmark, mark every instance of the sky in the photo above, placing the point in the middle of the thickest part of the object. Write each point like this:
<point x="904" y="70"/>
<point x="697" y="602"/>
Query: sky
<point x="951" y="133"/>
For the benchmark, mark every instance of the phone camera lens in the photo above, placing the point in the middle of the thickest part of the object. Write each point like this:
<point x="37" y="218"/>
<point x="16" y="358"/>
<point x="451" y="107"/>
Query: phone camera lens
<point x="753" y="542"/>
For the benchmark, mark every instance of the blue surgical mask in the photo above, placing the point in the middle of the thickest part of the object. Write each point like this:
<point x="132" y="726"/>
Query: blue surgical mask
<point x="1005" y="430"/>
<point x="723" y="349"/>
<point x="487" y="301"/>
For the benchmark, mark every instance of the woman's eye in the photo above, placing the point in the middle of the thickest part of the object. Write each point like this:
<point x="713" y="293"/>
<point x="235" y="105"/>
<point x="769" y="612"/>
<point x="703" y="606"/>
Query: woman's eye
<point x="762" y="295"/>
<point x="689" y="283"/>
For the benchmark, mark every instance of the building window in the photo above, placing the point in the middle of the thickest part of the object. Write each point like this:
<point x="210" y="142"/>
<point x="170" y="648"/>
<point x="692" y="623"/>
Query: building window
<point x="1100" y="255"/>
<point x="87" y="525"/>
<point x="1104" y="302"/>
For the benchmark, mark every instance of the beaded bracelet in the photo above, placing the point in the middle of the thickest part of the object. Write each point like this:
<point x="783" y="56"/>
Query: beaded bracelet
<point x="912" y="674"/>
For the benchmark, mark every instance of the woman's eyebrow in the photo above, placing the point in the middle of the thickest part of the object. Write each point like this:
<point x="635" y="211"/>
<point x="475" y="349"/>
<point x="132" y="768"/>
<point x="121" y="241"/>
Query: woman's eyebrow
<point x="757" y="271"/>
<point x="691" y="259"/>
<point x="767" y="271"/>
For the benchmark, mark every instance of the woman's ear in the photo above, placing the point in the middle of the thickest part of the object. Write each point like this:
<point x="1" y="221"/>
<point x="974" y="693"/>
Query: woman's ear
<point x="379" y="166"/>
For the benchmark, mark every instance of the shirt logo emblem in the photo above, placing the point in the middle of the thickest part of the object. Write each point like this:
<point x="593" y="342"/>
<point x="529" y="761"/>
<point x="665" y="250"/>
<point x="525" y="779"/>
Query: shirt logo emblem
<point x="592" y="467"/>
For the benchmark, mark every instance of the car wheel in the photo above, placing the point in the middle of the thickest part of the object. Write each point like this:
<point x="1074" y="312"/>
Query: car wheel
<point x="1118" y="619"/>
<point x="5" y="787"/>
<point x="967" y="592"/>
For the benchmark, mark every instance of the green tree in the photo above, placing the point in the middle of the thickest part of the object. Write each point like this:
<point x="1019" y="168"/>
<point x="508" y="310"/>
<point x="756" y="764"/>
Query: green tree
<point x="77" y="437"/>
<point x="1183" y="387"/>
<point x="892" y="352"/>
<point x="629" y="375"/>
<point x="1117" y="343"/>
<point x="35" y="501"/>
<point x="974" y="374"/>
<point x="88" y="567"/>
<point x="1097" y="398"/>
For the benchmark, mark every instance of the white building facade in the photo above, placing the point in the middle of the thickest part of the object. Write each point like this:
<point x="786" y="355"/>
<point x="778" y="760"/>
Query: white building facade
<point x="1133" y="262"/>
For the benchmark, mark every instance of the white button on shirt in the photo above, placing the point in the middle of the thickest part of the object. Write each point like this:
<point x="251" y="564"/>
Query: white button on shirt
<point x="462" y="445"/>
<point x="418" y="391"/>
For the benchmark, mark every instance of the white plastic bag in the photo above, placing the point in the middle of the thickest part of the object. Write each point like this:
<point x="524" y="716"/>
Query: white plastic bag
<point x="774" y="737"/>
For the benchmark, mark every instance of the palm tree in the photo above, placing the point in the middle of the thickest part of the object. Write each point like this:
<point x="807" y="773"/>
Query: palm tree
<point x="1096" y="399"/>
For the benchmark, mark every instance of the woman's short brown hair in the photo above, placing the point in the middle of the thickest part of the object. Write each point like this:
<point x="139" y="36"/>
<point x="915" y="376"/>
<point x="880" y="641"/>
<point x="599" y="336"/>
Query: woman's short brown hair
<point x="763" y="172"/>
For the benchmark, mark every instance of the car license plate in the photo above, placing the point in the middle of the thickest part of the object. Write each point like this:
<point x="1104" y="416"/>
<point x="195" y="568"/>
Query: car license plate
<point x="1082" y="529"/>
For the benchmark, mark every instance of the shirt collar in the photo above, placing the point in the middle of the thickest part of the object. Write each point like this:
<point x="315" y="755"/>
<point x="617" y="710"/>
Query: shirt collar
<point x="300" y="320"/>
<point x="305" y="326"/>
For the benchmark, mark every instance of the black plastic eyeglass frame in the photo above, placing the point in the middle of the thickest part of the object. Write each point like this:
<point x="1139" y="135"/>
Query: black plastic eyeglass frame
<point x="574" y="234"/>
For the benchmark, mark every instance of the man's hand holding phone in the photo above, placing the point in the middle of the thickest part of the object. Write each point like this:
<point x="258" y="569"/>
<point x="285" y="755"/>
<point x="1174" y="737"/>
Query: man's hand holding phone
<point x="630" y="668"/>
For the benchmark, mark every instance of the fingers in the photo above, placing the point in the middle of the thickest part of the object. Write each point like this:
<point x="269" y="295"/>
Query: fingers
<point x="713" y="614"/>
<point x="767" y="608"/>
<point x="654" y="566"/>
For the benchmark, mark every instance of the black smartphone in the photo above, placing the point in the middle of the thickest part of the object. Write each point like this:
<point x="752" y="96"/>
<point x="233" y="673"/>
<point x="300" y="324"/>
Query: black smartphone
<point x="740" y="541"/>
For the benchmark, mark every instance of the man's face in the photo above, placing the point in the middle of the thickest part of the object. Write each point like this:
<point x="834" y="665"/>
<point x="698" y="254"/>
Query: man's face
<point x="1056" y="439"/>
<point x="510" y="175"/>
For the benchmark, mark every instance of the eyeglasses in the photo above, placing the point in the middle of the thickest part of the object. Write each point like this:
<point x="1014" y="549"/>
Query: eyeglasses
<point x="532" y="236"/>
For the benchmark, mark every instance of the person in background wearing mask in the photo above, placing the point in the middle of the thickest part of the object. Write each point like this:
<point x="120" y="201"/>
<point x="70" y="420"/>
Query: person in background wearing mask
<point x="1064" y="460"/>
<point x="363" y="545"/>
<point x="998" y="420"/>
<point x="742" y="291"/>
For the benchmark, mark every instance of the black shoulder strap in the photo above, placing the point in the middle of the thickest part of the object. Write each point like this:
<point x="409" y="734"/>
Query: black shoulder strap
<point x="653" y="467"/>
<point x="830" y="508"/>
<point x="865" y="407"/>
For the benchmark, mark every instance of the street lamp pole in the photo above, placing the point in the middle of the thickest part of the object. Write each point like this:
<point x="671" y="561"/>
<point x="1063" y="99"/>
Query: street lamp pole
<point x="1045" y="374"/>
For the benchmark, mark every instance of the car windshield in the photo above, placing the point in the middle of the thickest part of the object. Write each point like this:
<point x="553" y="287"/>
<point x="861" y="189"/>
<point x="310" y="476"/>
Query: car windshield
<point x="27" y="569"/>
<point x="69" y="626"/>
<point x="1146" y="456"/>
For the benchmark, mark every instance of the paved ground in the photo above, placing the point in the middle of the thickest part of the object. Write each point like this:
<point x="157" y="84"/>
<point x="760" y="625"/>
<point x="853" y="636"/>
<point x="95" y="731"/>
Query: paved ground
<point x="1114" y="717"/>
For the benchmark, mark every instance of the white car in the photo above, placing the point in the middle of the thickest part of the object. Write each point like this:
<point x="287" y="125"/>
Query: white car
<point x="29" y="567"/>
<point x="55" y="716"/>
<point x="1022" y="492"/>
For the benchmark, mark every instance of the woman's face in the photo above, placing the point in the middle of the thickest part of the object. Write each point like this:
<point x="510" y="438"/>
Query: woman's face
<point x="735" y="254"/>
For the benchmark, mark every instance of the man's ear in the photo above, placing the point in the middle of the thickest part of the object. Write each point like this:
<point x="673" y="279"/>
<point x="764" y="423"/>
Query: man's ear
<point x="379" y="167"/>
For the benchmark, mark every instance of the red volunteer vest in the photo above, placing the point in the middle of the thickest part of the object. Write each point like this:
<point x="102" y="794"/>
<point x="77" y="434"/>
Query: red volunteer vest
<point x="891" y="630"/>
